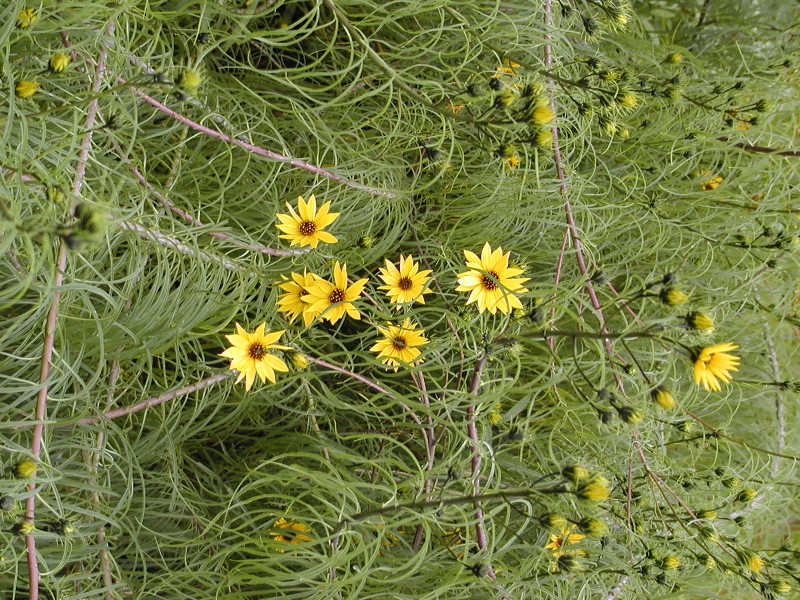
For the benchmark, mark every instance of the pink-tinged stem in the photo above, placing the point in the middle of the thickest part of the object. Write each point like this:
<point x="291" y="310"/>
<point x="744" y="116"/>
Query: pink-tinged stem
<point x="156" y="400"/>
<point x="472" y="430"/>
<point x="256" y="149"/>
<point x="52" y="318"/>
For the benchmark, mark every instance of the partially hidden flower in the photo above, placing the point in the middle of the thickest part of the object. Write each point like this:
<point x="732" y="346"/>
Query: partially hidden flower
<point x="400" y="344"/>
<point x="407" y="283"/>
<point x="190" y="80"/>
<point x="333" y="300"/>
<point x="490" y="281"/>
<point x="291" y="302"/>
<point x="711" y="184"/>
<point x="249" y="354"/>
<point x="567" y="536"/>
<point x="287" y="531"/>
<point x="59" y="62"/>
<point x="714" y="363"/>
<point x="26" y="88"/>
<point x="754" y="562"/>
<point x="26" y="17"/>
<point x="306" y="228"/>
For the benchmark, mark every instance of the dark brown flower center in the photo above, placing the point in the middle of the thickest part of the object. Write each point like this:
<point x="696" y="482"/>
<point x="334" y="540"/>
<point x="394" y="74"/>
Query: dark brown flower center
<point x="256" y="351"/>
<point x="399" y="342"/>
<point x="488" y="283"/>
<point x="307" y="227"/>
<point x="404" y="283"/>
<point x="335" y="296"/>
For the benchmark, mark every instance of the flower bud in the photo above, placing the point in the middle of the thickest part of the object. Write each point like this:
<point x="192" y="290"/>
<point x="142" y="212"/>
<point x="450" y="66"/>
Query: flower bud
<point x="26" y="88"/>
<point x="594" y="491"/>
<point x="366" y="241"/>
<point x="569" y="563"/>
<point x="543" y="138"/>
<point x="59" y="62"/>
<point x="708" y="515"/>
<point x="700" y="322"/>
<point x="553" y="521"/>
<point x="23" y="528"/>
<point x="746" y="495"/>
<point x="26" y="468"/>
<point x="708" y="561"/>
<point x="575" y="473"/>
<point x="674" y="58"/>
<point x="672" y="296"/>
<point x="629" y="414"/>
<point x="26" y="17"/>
<point x="628" y="100"/>
<point x="779" y="587"/>
<point x="592" y="527"/>
<point x="299" y="361"/>
<point x="670" y="562"/>
<point x="542" y="114"/>
<point x="190" y="80"/>
<point x="732" y="482"/>
<point x="662" y="397"/>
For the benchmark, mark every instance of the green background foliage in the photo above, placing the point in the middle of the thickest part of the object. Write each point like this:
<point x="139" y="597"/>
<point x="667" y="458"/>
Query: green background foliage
<point x="178" y="501"/>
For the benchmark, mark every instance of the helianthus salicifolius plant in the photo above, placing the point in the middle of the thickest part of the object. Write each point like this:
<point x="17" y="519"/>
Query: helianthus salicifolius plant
<point x="492" y="284"/>
<point x="332" y="300"/>
<point x="305" y="226"/>
<point x="250" y="357"/>
<point x="405" y="284"/>
<point x="400" y="344"/>
<point x="714" y="363"/>
<point x="291" y="301"/>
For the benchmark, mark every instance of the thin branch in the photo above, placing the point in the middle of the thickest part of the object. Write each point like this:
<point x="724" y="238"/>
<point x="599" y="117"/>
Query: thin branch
<point x="760" y="149"/>
<point x="776" y="372"/>
<point x="52" y="318"/>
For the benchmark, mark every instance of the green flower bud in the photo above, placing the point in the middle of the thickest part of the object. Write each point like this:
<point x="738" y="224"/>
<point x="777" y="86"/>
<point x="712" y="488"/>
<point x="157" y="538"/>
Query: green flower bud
<point x="553" y="521"/>
<point x="575" y="473"/>
<point x="569" y="563"/>
<point x="700" y="322"/>
<point x="592" y="527"/>
<point x="709" y="562"/>
<point x="746" y="495"/>
<point x="26" y="468"/>
<point x="630" y="415"/>
<point x="672" y="296"/>
<point x="662" y="397"/>
<point x="670" y="562"/>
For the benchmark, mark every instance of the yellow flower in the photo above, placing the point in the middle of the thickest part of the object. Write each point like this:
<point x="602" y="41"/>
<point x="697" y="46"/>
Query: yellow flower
<point x="306" y="228"/>
<point x="557" y="542"/>
<point x="711" y="184"/>
<point x="700" y="322"/>
<point x="673" y="296"/>
<point x="26" y="468"/>
<point x="24" y="528"/>
<point x="299" y="361"/>
<point x="290" y="532"/>
<point x="26" y="17"/>
<point x="544" y="138"/>
<point x="594" y="491"/>
<point x="714" y="363"/>
<point x="670" y="562"/>
<point x="512" y="162"/>
<point x="542" y="114"/>
<point x="190" y="80"/>
<point x="26" y="88"/>
<point x="291" y="303"/>
<point x="405" y="284"/>
<point x="333" y="300"/>
<point x="399" y="344"/>
<point x="754" y="562"/>
<point x="249" y="354"/>
<point x="59" y="62"/>
<point x="629" y="100"/>
<point x="662" y="397"/>
<point x="490" y="281"/>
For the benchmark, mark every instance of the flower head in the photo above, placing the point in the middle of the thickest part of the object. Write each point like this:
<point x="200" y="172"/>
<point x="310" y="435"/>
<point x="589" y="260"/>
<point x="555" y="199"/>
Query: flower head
<point x="190" y="80"/>
<point x="754" y="562"/>
<point x="566" y="537"/>
<point x="306" y="228"/>
<point x="714" y="363"/>
<point x="290" y="532"/>
<point x="542" y="114"/>
<point x="594" y="491"/>
<point x="711" y="184"/>
<point x="662" y="397"/>
<point x="291" y="302"/>
<point x="670" y="562"/>
<point x="26" y="17"/>
<point x="333" y="300"/>
<point x="405" y="284"/>
<point x="399" y="344"/>
<point x="490" y="281"/>
<point x="59" y="62"/>
<point x="249" y="355"/>
<point x="26" y="468"/>
<point x="672" y="296"/>
<point x="700" y="322"/>
<point x="26" y="88"/>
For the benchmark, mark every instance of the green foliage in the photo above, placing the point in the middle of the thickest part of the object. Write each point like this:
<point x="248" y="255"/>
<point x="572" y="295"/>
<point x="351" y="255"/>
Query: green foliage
<point x="427" y="126"/>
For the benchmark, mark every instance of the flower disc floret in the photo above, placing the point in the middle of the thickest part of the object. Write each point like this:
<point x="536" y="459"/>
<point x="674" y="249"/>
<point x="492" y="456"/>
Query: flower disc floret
<point x="249" y="354"/>
<point x="304" y="227"/>
<point x="492" y="284"/>
<point x="714" y="363"/>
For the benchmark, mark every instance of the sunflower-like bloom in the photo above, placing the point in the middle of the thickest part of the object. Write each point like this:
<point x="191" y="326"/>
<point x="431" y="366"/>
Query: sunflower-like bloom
<point x="26" y="17"/>
<point x="405" y="284"/>
<point x="714" y="363"/>
<point x="399" y="344"/>
<point x="754" y="562"/>
<point x="290" y="532"/>
<point x="306" y="228"/>
<point x="249" y="355"/>
<point x="291" y="302"/>
<point x="333" y="300"/>
<point x="490" y="281"/>
<point x="566" y="537"/>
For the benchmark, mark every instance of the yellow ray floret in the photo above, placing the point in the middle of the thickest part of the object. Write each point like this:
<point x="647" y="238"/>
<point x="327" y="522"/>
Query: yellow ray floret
<point x="399" y="344"/>
<point x="291" y="302"/>
<point x="490" y="281"/>
<point x="567" y="536"/>
<point x="407" y="283"/>
<point x="289" y="532"/>
<point x="714" y="363"/>
<point x="249" y="356"/>
<point x="333" y="300"/>
<point x="306" y="228"/>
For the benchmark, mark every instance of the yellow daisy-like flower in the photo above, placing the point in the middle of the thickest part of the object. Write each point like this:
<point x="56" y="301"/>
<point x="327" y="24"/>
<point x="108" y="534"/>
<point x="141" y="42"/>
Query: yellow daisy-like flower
<point x="713" y="363"/>
<point x="26" y="17"/>
<point x="59" y="62"/>
<point x="754" y="562"/>
<point x="306" y="229"/>
<point x="291" y="303"/>
<point x="399" y="344"/>
<point x="249" y="355"/>
<point x="333" y="300"/>
<point x="566" y="537"/>
<point x="405" y="284"/>
<point x="290" y="532"/>
<point x="26" y="88"/>
<point x="490" y="281"/>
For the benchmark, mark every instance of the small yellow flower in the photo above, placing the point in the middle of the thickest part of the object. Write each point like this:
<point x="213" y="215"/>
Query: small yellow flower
<point x="291" y="302"/>
<point x="594" y="491"/>
<point x="490" y="281"/>
<point x="662" y="397"/>
<point x="26" y="17"/>
<point x="24" y="528"/>
<point x="711" y="184"/>
<point x="629" y="100"/>
<point x="714" y="363"/>
<point x="544" y="138"/>
<point x="754" y="562"/>
<point x="59" y="62"/>
<point x="542" y="114"/>
<point x="289" y="532"/>
<point x="566" y="537"/>
<point x="299" y="361"/>
<point x="306" y="229"/>
<point x="26" y="468"/>
<point x="399" y="344"/>
<point x="26" y="88"/>
<point x="190" y="80"/>
<point x="512" y="162"/>
<point x="673" y="296"/>
<point x="249" y="355"/>
<point x="700" y="322"/>
<point x="405" y="284"/>
<point x="334" y="300"/>
<point x="670" y="562"/>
